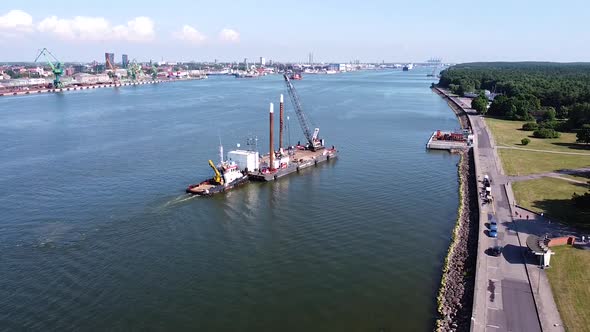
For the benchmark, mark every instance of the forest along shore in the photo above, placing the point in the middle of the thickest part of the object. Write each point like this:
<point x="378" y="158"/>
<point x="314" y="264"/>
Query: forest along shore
<point x="455" y="297"/>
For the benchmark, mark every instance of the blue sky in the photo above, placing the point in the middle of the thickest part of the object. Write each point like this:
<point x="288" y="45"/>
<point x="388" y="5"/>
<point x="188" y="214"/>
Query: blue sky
<point x="394" y="31"/>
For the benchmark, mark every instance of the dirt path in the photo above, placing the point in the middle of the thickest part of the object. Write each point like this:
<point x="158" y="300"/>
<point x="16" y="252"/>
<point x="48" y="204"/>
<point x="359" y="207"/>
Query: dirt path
<point x="556" y="175"/>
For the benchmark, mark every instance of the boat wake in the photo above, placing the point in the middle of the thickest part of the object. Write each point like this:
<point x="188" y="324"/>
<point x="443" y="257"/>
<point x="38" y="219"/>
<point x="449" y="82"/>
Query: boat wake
<point x="178" y="200"/>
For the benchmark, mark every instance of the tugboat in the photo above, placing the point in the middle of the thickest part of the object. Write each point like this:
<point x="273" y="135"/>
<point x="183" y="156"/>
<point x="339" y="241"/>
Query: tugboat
<point x="228" y="175"/>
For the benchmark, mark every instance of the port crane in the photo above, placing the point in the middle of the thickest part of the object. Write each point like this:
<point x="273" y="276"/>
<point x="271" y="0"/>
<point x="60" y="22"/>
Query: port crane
<point x="56" y="68"/>
<point x="154" y="72"/>
<point x="314" y="142"/>
<point x="134" y="70"/>
<point x="110" y="65"/>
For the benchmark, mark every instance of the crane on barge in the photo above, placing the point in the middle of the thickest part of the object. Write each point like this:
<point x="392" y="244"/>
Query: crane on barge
<point x="56" y="69"/>
<point x="218" y="179"/>
<point x="315" y="143"/>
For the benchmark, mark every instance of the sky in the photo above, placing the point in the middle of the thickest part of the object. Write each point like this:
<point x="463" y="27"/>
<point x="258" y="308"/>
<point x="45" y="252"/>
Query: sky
<point x="335" y="31"/>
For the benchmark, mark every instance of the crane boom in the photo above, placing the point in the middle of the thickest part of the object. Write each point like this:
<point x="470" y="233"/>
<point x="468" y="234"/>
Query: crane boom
<point x="217" y="177"/>
<point x="313" y="140"/>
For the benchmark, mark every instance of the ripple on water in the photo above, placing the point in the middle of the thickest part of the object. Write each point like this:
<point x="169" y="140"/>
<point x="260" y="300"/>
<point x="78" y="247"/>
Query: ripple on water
<point x="98" y="233"/>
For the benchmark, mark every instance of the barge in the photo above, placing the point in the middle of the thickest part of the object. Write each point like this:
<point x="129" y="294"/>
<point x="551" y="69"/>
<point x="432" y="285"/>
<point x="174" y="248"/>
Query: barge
<point x="293" y="161"/>
<point x="241" y="166"/>
<point x="281" y="162"/>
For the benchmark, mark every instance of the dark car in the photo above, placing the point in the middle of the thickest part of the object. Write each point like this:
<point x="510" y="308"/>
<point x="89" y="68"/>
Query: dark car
<point x="496" y="251"/>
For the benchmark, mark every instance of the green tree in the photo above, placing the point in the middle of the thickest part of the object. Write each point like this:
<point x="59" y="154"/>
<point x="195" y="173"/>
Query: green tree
<point x="583" y="134"/>
<point x="480" y="104"/>
<point x="545" y="133"/>
<point x="549" y="114"/>
<point x="13" y="74"/>
<point x="582" y="202"/>
<point x="525" y="141"/>
<point x="579" y="115"/>
<point x="530" y="126"/>
<point x="528" y="89"/>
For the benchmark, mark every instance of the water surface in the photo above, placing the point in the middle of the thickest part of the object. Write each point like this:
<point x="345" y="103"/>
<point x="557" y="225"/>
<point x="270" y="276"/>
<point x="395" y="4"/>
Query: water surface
<point x="96" y="233"/>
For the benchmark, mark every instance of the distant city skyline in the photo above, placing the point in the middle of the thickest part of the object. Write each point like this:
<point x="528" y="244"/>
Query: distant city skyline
<point x="334" y="31"/>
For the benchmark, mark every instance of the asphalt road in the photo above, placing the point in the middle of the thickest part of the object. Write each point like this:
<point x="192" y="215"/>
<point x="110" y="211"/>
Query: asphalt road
<point x="509" y="303"/>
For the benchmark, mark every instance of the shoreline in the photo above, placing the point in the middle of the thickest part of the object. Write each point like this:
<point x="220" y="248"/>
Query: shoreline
<point x="456" y="292"/>
<point x="88" y="87"/>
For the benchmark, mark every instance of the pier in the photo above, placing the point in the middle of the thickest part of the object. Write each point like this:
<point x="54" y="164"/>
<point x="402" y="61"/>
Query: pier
<point x="450" y="141"/>
<point x="88" y="87"/>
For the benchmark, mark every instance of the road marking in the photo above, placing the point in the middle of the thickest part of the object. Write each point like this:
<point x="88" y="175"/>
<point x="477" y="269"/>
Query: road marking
<point x="494" y="326"/>
<point x="494" y="308"/>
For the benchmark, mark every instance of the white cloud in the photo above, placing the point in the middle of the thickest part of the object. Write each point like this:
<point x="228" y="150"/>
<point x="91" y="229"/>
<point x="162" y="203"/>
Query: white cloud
<point x="229" y="35"/>
<point x="190" y="34"/>
<point x="16" y="21"/>
<point x="98" y="28"/>
<point x="139" y="29"/>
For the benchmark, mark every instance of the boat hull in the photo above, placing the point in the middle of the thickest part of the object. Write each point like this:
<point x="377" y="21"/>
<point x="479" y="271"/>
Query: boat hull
<point x="205" y="189"/>
<point x="293" y="167"/>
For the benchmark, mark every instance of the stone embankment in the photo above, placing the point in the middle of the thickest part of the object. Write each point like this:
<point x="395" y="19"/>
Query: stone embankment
<point x="455" y="298"/>
<point x="463" y="118"/>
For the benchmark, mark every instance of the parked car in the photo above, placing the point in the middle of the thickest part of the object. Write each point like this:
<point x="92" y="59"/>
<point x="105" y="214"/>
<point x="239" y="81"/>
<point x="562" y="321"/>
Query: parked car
<point x="494" y="227"/>
<point x="493" y="233"/>
<point x="495" y="251"/>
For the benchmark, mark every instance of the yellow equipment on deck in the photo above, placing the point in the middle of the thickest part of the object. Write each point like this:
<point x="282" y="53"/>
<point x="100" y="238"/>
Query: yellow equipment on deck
<point x="218" y="179"/>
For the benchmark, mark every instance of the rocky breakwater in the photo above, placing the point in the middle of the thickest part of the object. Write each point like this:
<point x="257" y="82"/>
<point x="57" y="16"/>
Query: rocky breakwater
<point x="455" y="298"/>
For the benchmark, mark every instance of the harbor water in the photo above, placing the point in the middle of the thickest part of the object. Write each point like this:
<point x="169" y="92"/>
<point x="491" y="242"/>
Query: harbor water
<point x="96" y="232"/>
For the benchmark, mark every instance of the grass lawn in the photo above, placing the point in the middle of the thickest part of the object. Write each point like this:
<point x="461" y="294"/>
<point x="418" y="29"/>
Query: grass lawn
<point x="570" y="283"/>
<point x="521" y="162"/>
<point x="508" y="133"/>
<point x="518" y="162"/>
<point x="552" y="197"/>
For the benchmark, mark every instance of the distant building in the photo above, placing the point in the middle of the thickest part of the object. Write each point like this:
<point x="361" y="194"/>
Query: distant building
<point x="109" y="60"/>
<point x="334" y="67"/>
<point x="70" y="71"/>
<point x="36" y="72"/>
<point x="84" y="78"/>
<point x="79" y="68"/>
<point x="124" y="61"/>
<point x="262" y="61"/>
<point x="490" y="95"/>
<point x="99" y="68"/>
<point x="121" y="72"/>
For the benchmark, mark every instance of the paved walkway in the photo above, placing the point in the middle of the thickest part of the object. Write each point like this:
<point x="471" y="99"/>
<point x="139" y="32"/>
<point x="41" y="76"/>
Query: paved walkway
<point x="506" y="303"/>
<point x="557" y="175"/>
<point x="544" y="151"/>
<point x="530" y="223"/>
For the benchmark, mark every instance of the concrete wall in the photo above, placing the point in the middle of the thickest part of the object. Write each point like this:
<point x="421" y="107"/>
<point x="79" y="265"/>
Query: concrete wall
<point x="560" y="241"/>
